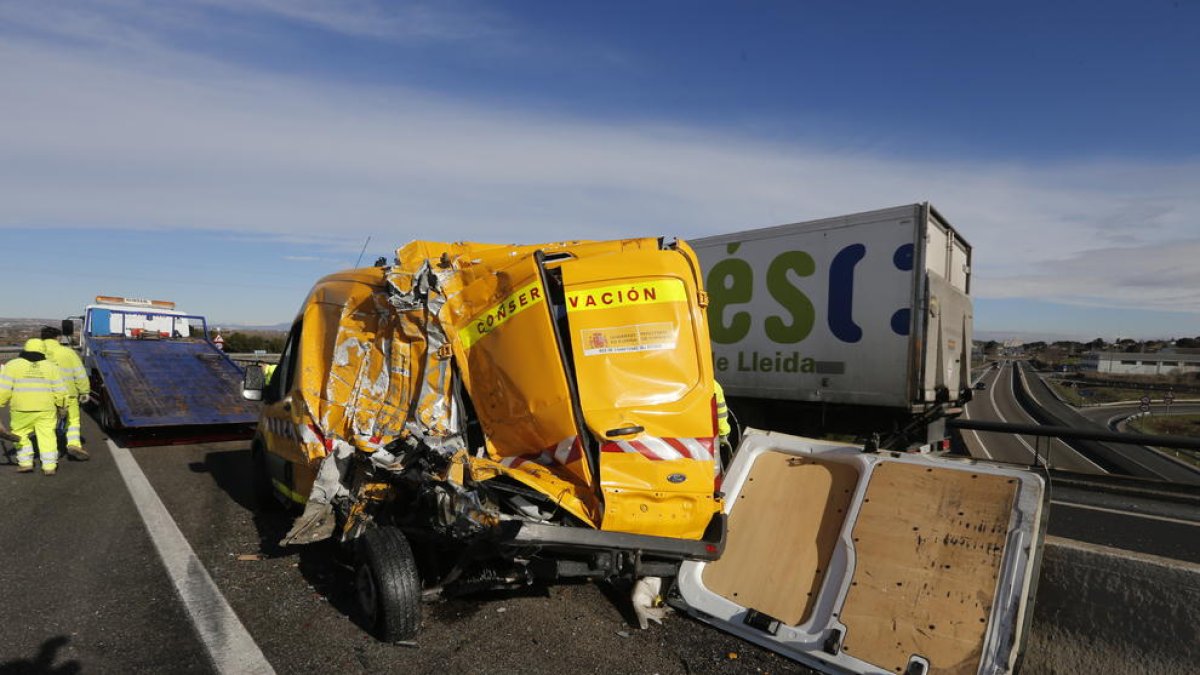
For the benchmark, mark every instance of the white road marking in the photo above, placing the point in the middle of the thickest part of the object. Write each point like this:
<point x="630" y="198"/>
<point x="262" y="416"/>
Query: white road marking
<point x="1126" y="513"/>
<point x="978" y="440"/>
<point x="226" y="639"/>
<point x="992" y="398"/>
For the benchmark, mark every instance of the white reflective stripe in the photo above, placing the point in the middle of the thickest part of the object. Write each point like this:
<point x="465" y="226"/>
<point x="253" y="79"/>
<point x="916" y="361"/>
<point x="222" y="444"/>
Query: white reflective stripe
<point x="696" y="448"/>
<point x="660" y="448"/>
<point x="563" y="451"/>
<point x="626" y="447"/>
<point x="35" y="387"/>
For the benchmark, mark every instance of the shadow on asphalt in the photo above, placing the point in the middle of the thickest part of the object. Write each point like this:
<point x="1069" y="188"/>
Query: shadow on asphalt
<point x="43" y="662"/>
<point x="323" y="565"/>
<point x="327" y="567"/>
<point x="230" y="470"/>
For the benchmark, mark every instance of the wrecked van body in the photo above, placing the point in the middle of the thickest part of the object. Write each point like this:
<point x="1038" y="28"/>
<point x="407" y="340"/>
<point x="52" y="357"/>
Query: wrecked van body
<point x="476" y="416"/>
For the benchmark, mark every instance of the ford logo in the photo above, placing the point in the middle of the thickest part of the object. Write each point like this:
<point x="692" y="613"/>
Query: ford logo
<point x="677" y="478"/>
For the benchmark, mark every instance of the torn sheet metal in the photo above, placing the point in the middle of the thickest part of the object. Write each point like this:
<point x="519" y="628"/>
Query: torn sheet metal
<point x="390" y="357"/>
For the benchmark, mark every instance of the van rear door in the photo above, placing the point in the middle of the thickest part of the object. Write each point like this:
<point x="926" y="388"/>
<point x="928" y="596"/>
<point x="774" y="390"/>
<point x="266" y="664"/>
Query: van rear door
<point x="874" y="562"/>
<point x="640" y="345"/>
<point x="639" y="350"/>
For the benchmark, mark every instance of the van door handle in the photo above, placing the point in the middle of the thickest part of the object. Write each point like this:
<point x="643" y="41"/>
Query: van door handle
<point x="624" y="431"/>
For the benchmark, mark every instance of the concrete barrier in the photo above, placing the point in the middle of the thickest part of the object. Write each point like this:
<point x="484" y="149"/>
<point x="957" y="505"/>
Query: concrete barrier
<point x="1103" y="610"/>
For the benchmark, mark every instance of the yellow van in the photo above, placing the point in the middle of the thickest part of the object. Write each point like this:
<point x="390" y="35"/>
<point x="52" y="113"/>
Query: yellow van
<point x="508" y="412"/>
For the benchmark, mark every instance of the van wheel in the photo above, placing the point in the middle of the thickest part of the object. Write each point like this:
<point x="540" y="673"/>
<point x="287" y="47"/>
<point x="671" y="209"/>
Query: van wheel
<point x="387" y="585"/>
<point x="260" y="480"/>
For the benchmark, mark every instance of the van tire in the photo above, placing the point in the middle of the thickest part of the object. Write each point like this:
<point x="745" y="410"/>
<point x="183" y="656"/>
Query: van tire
<point x="387" y="585"/>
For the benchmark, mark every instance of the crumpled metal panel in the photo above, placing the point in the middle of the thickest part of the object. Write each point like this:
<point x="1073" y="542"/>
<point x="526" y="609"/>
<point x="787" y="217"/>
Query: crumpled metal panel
<point x="378" y="365"/>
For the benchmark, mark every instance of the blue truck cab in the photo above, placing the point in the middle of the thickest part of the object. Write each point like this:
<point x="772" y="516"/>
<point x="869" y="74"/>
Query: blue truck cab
<point x="152" y="365"/>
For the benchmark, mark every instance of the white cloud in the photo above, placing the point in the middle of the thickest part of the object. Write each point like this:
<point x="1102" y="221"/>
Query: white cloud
<point x="1162" y="276"/>
<point x="441" y="20"/>
<point x="97" y="138"/>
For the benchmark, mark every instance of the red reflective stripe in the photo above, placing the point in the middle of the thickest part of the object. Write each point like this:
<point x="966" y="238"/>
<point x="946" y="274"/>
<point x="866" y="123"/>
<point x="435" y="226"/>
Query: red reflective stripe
<point x="678" y="445"/>
<point x="702" y="450"/>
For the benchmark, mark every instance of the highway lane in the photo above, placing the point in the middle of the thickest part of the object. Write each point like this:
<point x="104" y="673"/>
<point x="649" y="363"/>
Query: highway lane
<point x="1135" y="460"/>
<point x="998" y="403"/>
<point x="1118" y="521"/>
<point x="78" y="569"/>
<point x="81" y="581"/>
<point x="1126" y="522"/>
<point x="1107" y="415"/>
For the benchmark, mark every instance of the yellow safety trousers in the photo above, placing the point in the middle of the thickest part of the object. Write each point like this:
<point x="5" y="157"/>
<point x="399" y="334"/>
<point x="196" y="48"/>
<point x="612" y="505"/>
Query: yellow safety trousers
<point x="73" y="437"/>
<point x="41" y="423"/>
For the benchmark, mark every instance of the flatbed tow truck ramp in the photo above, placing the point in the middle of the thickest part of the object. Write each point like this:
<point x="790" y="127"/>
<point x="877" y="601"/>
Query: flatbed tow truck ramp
<point x="152" y="366"/>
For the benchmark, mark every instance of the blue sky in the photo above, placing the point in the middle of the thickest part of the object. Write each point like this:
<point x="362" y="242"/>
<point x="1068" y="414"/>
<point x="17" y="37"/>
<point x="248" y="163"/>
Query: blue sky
<point x="226" y="153"/>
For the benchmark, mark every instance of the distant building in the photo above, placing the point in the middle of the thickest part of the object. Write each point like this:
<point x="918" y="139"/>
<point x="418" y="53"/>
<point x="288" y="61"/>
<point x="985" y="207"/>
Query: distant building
<point x="1133" y="363"/>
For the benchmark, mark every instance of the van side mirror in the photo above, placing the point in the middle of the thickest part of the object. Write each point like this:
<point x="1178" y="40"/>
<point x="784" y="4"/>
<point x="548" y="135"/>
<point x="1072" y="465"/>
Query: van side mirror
<point x="68" y="327"/>
<point x="253" y="383"/>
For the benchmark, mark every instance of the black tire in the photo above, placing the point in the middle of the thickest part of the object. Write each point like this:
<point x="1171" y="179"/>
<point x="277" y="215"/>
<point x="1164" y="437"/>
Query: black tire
<point x="260" y="481"/>
<point x="387" y="585"/>
<point x="107" y="414"/>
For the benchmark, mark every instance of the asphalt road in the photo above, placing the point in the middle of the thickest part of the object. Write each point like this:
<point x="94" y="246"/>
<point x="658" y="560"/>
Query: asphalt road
<point x="998" y="403"/>
<point x="1131" y="523"/>
<point x="1128" y="523"/>
<point x="83" y="590"/>
<point x="1109" y="414"/>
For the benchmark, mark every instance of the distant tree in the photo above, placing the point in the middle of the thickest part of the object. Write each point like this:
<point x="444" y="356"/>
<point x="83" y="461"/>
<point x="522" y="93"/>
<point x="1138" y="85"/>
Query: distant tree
<point x="1097" y="344"/>
<point x="1069" y="346"/>
<point x="242" y="343"/>
<point x="991" y="347"/>
<point x="1188" y="343"/>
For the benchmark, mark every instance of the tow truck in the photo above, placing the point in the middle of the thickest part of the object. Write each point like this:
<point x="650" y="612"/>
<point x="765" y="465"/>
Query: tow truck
<point x="153" y="366"/>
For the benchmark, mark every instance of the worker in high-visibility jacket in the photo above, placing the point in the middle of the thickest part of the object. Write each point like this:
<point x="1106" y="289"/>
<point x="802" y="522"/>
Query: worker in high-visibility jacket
<point x="32" y="388"/>
<point x="723" y="427"/>
<point x="78" y="388"/>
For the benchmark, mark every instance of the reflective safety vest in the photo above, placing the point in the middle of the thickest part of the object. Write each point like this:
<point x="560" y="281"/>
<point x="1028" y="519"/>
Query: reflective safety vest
<point x="32" y="386"/>
<point x="722" y="410"/>
<point x="71" y="367"/>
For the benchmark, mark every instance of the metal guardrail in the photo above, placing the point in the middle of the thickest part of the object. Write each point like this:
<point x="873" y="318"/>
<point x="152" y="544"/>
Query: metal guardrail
<point x="244" y="359"/>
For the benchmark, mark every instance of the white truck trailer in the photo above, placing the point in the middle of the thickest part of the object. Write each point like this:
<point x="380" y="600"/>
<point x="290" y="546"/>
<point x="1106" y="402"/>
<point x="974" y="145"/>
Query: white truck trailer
<point x="858" y="324"/>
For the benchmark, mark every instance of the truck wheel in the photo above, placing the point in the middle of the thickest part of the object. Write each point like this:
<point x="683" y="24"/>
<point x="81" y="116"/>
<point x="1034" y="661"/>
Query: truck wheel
<point x="387" y="585"/>
<point x="260" y="480"/>
<point x="107" y="415"/>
